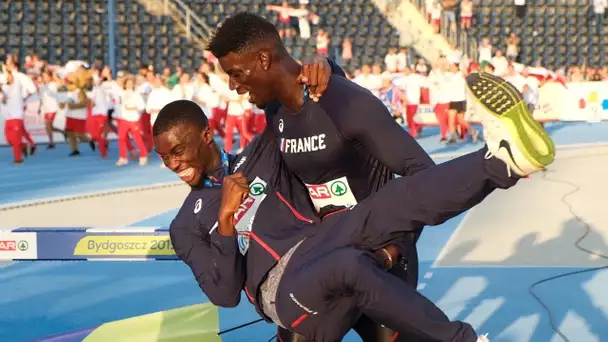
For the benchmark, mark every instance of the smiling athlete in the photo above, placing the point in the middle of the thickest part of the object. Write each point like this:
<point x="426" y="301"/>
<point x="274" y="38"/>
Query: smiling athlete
<point x="344" y="146"/>
<point x="316" y="277"/>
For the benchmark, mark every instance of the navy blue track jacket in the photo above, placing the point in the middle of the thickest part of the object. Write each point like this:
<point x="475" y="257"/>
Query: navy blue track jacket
<point x="216" y="261"/>
<point x="223" y="266"/>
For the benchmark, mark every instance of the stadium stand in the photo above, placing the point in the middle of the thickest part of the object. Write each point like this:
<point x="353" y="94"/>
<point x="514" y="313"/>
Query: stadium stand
<point x="46" y="28"/>
<point x="558" y="33"/>
<point x="358" y="20"/>
<point x="147" y="38"/>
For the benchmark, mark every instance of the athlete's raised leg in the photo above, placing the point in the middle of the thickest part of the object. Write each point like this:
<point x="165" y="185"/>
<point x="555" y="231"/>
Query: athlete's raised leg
<point x="321" y="297"/>
<point x="516" y="147"/>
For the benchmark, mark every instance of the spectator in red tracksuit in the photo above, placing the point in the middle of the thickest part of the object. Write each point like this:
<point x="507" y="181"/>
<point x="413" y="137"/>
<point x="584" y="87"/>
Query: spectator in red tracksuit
<point x="159" y="97"/>
<point x="130" y="108"/>
<point x="248" y="119"/>
<point x="411" y="83"/>
<point x="209" y="100"/>
<point x="235" y="119"/>
<point x="99" y="117"/>
<point x="146" y="121"/>
<point x="219" y="105"/>
<point x="438" y="78"/>
<point x="49" y="106"/>
<point x="12" y="96"/>
<point x="259" y="120"/>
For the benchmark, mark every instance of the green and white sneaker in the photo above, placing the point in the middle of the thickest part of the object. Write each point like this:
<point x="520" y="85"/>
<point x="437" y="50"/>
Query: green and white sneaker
<point x="510" y="131"/>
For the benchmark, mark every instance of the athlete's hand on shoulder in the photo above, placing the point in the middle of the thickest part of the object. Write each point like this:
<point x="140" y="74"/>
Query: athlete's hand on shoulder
<point x="316" y="76"/>
<point x="235" y="188"/>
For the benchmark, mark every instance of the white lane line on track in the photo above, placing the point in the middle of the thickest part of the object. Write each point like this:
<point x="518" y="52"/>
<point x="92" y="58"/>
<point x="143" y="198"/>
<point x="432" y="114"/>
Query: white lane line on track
<point x="59" y="170"/>
<point x="68" y="178"/>
<point x="73" y="197"/>
<point x="453" y="236"/>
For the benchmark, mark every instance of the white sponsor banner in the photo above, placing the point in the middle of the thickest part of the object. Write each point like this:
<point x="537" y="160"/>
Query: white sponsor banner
<point x="583" y="101"/>
<point x="18" y="246"/>
<point x="549" y="104"/>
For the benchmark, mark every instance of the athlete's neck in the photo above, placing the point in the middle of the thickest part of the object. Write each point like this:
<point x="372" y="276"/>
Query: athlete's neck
<point x="213" y="168"/>
<point x="290" y="92"/>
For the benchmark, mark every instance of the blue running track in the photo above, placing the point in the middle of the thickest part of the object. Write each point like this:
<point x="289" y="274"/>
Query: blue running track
<point x="43" y="298"/>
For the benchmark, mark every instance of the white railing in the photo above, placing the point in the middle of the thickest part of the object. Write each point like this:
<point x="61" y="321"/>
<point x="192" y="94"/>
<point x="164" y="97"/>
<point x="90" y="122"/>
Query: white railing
<point x="195" y="28"/>
<point x="459" y="37"/>
<point x="194" y="24"/>
<point x="414" y="30"/>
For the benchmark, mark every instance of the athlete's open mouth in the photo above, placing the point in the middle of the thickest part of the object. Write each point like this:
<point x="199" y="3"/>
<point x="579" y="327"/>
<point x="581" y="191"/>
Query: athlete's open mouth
<point x="187" y="174"/>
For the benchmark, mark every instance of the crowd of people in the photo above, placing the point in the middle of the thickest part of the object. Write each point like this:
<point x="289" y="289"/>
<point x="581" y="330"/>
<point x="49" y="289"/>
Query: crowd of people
<point x="459" y="14"/>
<point x="300" y="220"/>
<point x="456" y="16"/>
<point x="96" y="103"/>
<point x="403" y="88"/>
<point x="127" y="105"/>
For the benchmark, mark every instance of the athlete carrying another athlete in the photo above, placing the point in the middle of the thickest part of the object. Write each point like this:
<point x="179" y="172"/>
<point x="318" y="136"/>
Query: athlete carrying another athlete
<point x="316" y="277"/>
<point x="344" y="146"/>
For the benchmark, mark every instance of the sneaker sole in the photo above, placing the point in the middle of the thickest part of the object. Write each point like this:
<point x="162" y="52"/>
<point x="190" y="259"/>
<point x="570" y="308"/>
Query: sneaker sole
<point x="502" y="100"/>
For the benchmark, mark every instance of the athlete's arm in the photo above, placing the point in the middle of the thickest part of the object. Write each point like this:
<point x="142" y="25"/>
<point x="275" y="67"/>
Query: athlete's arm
<point x="235" y="189"/>
<point x="362" y="117"/>
<point x="215" y="261"/>
<point x="316" y="76"/>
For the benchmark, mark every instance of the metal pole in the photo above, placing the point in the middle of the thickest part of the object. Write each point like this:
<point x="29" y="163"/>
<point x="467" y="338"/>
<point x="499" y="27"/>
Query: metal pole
<point x="188" y="19"/>
<point x="112" y="36"/>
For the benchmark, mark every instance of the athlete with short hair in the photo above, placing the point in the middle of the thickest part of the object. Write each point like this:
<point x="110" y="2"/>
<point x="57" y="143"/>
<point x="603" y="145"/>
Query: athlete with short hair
<point x="344" y="147"/>
<point x="253" y="229"/>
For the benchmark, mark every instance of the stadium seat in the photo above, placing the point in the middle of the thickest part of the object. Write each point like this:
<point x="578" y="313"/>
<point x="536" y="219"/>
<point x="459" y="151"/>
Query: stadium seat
<point x="550" y="27"/>
<point x="34" y="24"/>
<point x="358" y="20"/>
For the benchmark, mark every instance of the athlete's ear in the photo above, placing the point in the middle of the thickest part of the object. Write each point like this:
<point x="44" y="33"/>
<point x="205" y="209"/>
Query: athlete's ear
<point x="264" y="60"/>
<point x="207" y="135"/>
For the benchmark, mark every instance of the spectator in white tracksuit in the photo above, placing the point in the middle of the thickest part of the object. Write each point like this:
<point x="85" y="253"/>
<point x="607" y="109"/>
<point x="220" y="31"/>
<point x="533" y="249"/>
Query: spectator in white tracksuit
<point x="49" y="105"/>
<point x="101" y="101"/>
<point x="208" y="98"/>
<point x="159" y="97"/>
<point x="12" y="96"/>
<point x="131" y="106"/>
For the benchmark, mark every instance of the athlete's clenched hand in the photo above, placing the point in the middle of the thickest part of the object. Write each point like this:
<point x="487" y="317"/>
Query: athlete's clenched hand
<point x="235" y="189"/>
<point x="316" y="76"/>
